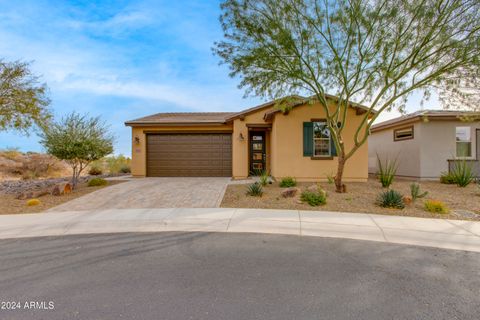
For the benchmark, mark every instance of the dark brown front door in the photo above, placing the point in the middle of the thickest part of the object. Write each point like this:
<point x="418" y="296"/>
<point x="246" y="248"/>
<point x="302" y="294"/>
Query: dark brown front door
<point x="189" y="155"/>
<point x="257" y="152"/>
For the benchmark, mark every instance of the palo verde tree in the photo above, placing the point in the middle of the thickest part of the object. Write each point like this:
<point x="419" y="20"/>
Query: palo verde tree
<point x="373" y="52"/>
<point x="23" y="100"/>
<point x="78" y="140"/>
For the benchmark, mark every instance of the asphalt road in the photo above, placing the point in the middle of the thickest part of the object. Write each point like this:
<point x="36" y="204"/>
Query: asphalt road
<point x="233" y="276"/>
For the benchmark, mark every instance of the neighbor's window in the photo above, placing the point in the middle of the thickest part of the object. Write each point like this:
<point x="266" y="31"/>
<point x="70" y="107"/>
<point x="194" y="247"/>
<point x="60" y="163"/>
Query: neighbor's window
<point x="321" y="139"/>
<point x="464" y="143"/>
<point x="403" y="134"/>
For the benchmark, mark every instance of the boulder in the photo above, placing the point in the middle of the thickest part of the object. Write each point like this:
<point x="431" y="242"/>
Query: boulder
<point x="313" y="188"/>
<point x="407" y="200"/>
<point x="67" y="188"/>
<point x="289" y="192"/>
<point x="56" y="191"/>
<point x="24" y="195"/>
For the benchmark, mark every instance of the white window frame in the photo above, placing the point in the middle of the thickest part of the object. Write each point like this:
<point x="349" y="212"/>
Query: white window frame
<point x="469" y="133"/>
<point x="315" y="139"/>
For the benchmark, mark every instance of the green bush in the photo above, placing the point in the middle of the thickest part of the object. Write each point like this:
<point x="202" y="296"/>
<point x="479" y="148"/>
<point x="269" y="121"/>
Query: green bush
<point x="288" y="182"/>
<point x="436" y="206"/>
<point x="314" y="198"/>
<point x="391" y="199"/>
<point x="416" y="193"/>
<point x="95" y="170"/>
<point x="255" y="190"/>
<point x="462" y="174"/>
<point x="116" y="163"/>
<point x="96" y="182"/>
<point x="386" y="171"/>
<point x="125" y="169"/>
<point x="447" y="178"/>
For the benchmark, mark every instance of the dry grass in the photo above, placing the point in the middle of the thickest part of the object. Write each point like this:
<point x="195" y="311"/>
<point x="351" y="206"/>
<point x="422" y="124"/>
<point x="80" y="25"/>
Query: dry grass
<point x="361" y="197"/>
<point x="10" y="205"/>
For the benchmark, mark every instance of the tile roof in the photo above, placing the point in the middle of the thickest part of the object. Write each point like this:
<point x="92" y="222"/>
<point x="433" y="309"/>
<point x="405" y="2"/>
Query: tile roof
<point x="431" y="114"/>
<point x="183" y="117"/>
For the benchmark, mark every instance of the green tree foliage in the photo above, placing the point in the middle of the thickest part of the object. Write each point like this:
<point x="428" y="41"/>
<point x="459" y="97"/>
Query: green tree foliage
<point x="79" y="140"/>
<point x="373" y="52"/>
<point x="23" y="100"/>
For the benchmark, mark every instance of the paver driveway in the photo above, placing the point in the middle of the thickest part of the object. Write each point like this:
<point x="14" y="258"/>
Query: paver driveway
<point x="153" y="193"/>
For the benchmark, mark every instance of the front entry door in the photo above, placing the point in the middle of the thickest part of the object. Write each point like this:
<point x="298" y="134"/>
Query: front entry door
<point x="257" y="152"/>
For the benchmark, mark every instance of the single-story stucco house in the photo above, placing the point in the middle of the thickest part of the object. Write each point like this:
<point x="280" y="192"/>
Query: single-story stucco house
<point x="292" y="143"/>
<point x="427" y="143"/>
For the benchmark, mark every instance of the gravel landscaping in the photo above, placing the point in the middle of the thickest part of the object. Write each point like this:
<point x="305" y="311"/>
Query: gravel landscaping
<point x="464" y="203"/>
<point x="10" y="205"/>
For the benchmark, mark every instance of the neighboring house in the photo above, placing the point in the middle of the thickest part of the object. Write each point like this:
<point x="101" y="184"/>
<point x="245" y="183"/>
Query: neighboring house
<point x="427" y="143"/>
<point x="292" y="143"/>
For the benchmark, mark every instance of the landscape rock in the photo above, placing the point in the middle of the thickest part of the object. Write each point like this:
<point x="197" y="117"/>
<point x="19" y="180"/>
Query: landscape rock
<point x="313" y="188"/>
<point x="407" y="200"/>
<point x="289" y="192"/>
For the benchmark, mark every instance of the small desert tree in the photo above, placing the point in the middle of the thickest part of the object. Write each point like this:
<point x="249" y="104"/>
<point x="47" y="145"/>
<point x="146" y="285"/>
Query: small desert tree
<point x="78" y="140"/>
<point x="23" y="100"/>
<point x="373" y="52"/>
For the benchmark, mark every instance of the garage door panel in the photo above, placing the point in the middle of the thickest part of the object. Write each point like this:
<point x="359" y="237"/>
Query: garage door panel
<point x="201" y="155"/>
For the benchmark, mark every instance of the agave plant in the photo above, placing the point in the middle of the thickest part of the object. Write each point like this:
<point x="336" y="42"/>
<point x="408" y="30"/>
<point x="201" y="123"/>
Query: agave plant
<point x="255" y="189"/>
<point x="391" y="199"/>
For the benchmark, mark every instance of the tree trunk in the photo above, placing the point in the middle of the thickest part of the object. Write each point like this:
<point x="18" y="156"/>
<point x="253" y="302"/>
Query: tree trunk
<point x="339" y="186"/>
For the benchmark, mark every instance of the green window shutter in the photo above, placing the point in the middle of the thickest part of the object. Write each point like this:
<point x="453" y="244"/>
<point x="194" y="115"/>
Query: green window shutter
<point x="308" y="139"/>
<point x="333" y="148"/>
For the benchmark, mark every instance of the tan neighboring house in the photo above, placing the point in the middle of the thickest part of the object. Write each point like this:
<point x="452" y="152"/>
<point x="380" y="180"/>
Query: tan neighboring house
<point x="427" y="143"/>
<point x="293" y="143"/>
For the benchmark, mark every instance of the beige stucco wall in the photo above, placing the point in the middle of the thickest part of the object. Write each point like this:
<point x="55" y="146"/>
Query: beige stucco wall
<point x="240" y="159"/>
<point x="287" y="148"/>
<point x="426" y="155"/>
<point x="284" y="146"/>
<point x="139" y="168"/>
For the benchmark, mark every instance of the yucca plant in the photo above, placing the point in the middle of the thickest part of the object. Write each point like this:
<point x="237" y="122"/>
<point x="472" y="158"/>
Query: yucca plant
<point x="255" y="189"/>
<point x="386" y="171"/>
<point x="264" y="177"/>
<point x="391" y="199"/>
<point x="462" y="173"/>
<point x="416" y="193"/>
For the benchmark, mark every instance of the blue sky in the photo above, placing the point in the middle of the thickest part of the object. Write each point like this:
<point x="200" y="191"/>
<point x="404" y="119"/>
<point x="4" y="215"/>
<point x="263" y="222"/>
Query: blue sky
<point x="121" y="59"/>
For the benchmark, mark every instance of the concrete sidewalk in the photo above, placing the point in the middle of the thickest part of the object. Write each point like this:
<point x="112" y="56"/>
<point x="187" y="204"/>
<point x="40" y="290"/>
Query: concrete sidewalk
<point x="449" y="234"/>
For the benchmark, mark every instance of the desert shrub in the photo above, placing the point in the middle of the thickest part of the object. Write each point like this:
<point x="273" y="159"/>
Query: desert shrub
<point x="96" y="182"/>
<point x="436" y="206"/>
<point x="391" y="199"/>
<point x="125" y="169"/>
<point x="462" y="174"/>
<point x="116" y="163"/>
<point x="446" y="178"/>
<point x="288" y="182"/>
<point x="314" y="198"/>
<point x="386" y="171"/>
<point x="264" y="177"/>
<point x="255" y="190"/>
<point x="416" y="193"/>
<point x="33" y="202"/>
<point x="330" y="178"/>
<point x="95" y="170"/>
<point x="11" y="153"/>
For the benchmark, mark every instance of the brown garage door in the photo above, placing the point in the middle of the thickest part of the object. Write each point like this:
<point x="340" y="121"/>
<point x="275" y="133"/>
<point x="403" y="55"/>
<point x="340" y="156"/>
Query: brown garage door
<point x="189" y="155"/>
